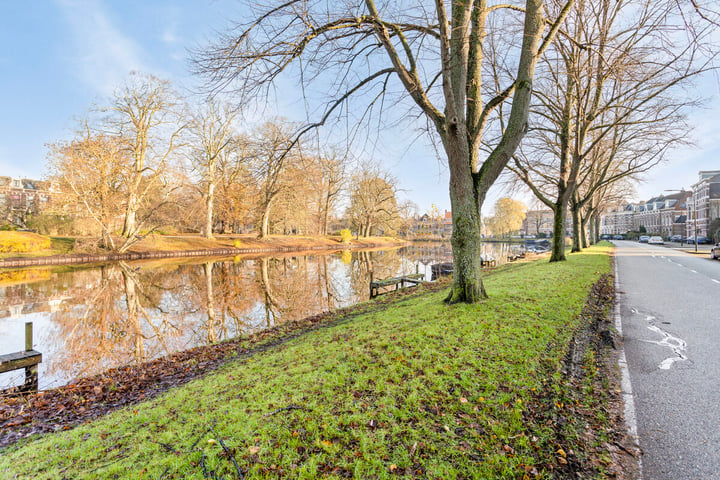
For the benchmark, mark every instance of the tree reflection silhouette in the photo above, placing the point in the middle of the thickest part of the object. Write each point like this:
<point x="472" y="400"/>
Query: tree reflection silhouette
<point x="126" y="313"/>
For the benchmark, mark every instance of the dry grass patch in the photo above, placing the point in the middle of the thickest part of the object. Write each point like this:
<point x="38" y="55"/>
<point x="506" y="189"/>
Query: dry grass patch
<point x="22" y="242"/>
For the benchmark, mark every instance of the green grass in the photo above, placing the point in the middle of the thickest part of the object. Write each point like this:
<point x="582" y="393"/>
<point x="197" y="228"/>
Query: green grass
<point x="61" y="245"/>
<point x="417" y="389"/>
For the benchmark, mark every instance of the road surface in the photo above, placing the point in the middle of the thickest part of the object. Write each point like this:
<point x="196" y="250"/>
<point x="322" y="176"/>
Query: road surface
<point x="669" y="305"/>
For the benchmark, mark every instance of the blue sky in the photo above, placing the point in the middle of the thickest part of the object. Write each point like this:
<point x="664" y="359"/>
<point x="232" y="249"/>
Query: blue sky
<point x="58" y="57"/>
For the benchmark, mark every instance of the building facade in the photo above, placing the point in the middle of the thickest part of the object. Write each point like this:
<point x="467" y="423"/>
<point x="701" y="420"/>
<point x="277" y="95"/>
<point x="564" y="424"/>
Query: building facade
<point x="684" y="213"/>
<point x="20" y="198"/>
<point x="538" y="222"/>
<point x="704" y="205"/>
<point x="664" y="215"/>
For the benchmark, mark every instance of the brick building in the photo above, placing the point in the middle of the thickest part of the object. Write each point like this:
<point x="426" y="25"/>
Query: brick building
<point x="20" y="198"/>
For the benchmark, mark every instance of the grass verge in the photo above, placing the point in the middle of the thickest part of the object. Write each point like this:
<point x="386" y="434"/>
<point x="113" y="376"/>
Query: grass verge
<point x="26" y="244"/>
<point x="412" y="389"/>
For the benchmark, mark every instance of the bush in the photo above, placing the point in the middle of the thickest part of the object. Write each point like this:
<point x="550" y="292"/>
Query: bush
<point x="345" y="235"/>
<point x="21" y="242"/>
<point x="50" y="224"/>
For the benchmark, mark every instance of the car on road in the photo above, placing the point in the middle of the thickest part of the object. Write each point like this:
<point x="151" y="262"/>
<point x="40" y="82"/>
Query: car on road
<point x="644" y="238"/>
<point x="618" y="237"/>
<point x="715" y="252"/>
<point x="701" y="240"/>
<point x="656" y="241"/>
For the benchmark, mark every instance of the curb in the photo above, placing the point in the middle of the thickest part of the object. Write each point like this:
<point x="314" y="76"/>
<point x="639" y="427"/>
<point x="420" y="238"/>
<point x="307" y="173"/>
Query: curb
<point x="625" y="383"/>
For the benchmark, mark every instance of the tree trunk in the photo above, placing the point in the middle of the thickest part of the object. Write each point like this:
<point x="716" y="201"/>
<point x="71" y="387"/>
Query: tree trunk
<point x="265" y="221"/>
<point x="577" y="230"/>
<point x="465" y="201"/>
<point x="596" y="227"/>
<point x="558" y="244"/>
<point x="132" y="301"/>
<point x="130" y="215"/>
<point x="210" y="299"/>
<point x="209" y="200"/>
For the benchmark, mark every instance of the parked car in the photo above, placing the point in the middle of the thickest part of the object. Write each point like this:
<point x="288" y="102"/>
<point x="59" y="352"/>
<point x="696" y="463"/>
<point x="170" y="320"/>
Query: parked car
<point x="656" y="241"/>
<point x="701" y="240"/>
<point x="618" y="237"/>
<point x="677" y="238"/>
<point x="644" y="238"/>
<point x="715" y="252"/>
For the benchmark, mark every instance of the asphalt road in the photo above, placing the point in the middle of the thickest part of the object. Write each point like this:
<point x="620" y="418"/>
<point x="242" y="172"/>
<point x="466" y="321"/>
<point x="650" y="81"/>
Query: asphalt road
<point x="669" y="304"/>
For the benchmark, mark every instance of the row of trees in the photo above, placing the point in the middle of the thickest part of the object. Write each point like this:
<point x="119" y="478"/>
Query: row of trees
<point x="610" y="101"/>
<point x="592" y="87"/>
<point x="595" y="83"/>
<point x="146" y="161"/>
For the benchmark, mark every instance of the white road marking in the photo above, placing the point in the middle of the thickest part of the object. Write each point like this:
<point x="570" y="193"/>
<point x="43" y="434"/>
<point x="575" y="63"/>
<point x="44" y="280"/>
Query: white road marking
<point x="677" y="345"/>
<point x="625" y="384"/>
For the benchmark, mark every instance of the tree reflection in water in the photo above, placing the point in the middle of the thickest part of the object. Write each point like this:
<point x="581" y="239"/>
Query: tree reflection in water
<point x="126" y="313"/>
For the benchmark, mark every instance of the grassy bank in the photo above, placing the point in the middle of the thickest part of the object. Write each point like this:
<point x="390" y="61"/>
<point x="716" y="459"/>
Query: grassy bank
<point x="26" y="244"/>
<point x="413" y="389"/>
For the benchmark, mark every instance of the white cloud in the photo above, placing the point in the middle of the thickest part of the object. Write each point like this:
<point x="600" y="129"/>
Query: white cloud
<point x="101" y="55"/>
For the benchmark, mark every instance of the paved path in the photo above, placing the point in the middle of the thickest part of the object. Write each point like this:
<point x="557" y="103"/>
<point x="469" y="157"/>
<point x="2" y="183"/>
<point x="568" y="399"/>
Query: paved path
<point x="669" y="303"/>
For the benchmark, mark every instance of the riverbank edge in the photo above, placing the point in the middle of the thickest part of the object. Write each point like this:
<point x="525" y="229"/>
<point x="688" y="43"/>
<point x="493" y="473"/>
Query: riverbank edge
<point x="81" y="258"/>
<point x="575" y="369"/>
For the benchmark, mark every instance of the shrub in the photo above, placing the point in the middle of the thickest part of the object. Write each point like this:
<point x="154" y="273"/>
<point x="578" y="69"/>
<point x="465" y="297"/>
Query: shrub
<point x="345" y="235"/>
<point x="51" y="224"/>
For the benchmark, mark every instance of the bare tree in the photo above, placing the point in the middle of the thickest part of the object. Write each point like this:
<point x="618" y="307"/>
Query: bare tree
<point x="144" y="114"/>
<point x="439" y="60"/>
<point x="609" y="102"/>
<point x="88" y="173"/>
<point x="273" y="143"/>
<point x="212" y="134"/>
<point x="373" y="202"/>
<point x="237" y="191"/>
<point x="326" y="173"/>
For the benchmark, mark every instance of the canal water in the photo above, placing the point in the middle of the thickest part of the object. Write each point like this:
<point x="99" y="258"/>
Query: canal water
<point x="87" y="319"/>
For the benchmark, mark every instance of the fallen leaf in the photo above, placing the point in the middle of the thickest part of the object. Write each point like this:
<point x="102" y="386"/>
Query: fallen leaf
<point x="463" y="400"/>
<point x="253" y="450"/>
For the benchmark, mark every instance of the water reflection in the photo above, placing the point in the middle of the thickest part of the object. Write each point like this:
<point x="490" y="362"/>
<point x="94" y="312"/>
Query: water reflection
<point x="90" y="319"/>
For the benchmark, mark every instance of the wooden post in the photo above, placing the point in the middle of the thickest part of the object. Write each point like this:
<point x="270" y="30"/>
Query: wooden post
<point x="28" y="336"/>
<point x="371" y="284"/>
<point x="31" y="371"/>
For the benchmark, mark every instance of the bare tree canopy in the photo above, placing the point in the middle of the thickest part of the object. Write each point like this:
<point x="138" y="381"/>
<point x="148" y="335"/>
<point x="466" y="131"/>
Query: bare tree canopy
<point x="212" y="132"/>
<point x="610" y="102"/>
<point x="373" y="201"/>
<point x="456" y="62"/>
